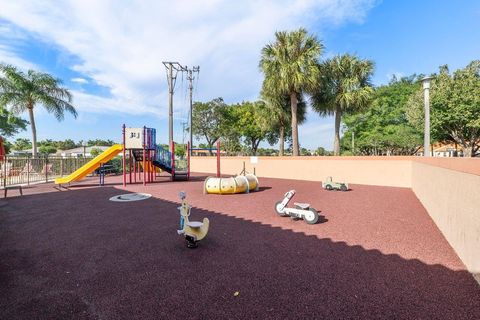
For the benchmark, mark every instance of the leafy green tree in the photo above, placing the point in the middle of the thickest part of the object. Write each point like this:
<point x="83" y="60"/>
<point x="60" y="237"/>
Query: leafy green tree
<point x="65" y="144"/>
<point x="47" y="149"/>
<point x="344" y="87"/>
<point x="455" y="107"/>
<point x="100" y="142"/>
<point x="249" y="119"/>
<point x="230" y="134"/>
<point x="7" y="145"/>
<point x="95" y="152"/>
<point x="9" y="124"/>
<point x="322" y="152"/>
<point x="267" y="152"/>
<point x="21" y="144"/>
<point x="46" y="142"/>
<point x="23" y="91"/>
<point x="180" y="150"/>
<point x="290" y="67"/>
<point x="305" y="152"/>
<point x="383" y="128"/>
<point x="206" y="120"/>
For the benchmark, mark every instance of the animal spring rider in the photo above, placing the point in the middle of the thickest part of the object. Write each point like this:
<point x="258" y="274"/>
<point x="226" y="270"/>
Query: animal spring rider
<point x="301" y="210"/>
<point x="193" y="231"/>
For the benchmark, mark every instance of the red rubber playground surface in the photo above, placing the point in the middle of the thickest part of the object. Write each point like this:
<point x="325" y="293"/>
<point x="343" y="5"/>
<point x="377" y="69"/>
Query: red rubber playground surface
<point x="72" y="254"/>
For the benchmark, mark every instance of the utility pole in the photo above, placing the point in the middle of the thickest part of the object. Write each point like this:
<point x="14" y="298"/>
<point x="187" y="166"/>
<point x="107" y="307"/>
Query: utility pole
<point x="190" y="78"/>
<point x="172" y="70"/>
<point x="184" y="125"/>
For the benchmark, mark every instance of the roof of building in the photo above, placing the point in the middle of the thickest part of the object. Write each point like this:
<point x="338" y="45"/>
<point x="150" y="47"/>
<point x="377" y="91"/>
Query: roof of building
<point x="81" y="150"/>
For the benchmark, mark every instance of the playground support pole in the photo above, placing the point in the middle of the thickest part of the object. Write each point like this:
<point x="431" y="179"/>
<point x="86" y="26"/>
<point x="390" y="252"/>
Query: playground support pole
<point x="188" y="159"/>
<point x="173" y="160"/>
<point x="148" y="167"/>
<point x="218" y="159"/>
<point x="124" y="156"/>
<point x="130" y="166"/>
<point x="135" y="171"/>
<point x="144" y="156"/>
<point x="151" y="166"/>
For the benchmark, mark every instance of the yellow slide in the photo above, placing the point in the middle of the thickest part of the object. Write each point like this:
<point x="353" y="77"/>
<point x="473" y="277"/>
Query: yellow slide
<point x="91" y="165"/>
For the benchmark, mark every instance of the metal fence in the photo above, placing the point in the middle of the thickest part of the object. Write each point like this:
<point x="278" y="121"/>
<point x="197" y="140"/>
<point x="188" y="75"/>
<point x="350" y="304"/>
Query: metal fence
<point x="24" y="170"/>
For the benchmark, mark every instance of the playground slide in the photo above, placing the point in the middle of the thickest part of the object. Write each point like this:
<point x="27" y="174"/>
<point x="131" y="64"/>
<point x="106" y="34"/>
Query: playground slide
<point x="91" y="165"/>
<point x="238" y="184"/>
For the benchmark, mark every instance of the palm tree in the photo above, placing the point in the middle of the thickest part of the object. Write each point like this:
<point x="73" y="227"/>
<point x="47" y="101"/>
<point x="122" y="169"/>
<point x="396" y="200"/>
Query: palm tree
<point x="344" y="87"/>
<point x="22" y="91"/>
<point x="290" y="67"/>
<point x="279" y="117"/>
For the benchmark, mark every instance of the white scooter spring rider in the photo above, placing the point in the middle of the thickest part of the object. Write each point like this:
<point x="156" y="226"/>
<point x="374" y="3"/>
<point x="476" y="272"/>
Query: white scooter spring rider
<point x="301" y="210"/>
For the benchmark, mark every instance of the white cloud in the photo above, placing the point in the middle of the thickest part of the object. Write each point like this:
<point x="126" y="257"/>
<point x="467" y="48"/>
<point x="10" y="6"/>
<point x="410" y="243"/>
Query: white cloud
<point x="79" y="80"/>
<point x="121" y="47"/>
<point x="9" y="56"/>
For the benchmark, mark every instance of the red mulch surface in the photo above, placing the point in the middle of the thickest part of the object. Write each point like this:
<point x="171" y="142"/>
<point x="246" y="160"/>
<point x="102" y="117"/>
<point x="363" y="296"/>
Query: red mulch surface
<point x="72" y="254"/>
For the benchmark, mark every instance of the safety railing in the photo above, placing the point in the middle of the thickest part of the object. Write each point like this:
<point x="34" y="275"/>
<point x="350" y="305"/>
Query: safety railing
<point x="25" y="170"/>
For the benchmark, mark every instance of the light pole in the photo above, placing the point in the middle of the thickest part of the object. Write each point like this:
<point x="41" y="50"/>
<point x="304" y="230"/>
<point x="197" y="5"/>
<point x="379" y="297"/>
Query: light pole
<point x="426" y="101"/>
<point x="353" y="142"/>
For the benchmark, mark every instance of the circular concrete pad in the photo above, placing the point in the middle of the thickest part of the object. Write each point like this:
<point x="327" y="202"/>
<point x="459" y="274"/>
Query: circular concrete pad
<point x="130" y="197"/>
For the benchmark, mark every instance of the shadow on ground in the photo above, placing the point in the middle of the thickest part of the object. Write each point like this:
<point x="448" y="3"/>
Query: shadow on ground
<point x="76" y="255"/>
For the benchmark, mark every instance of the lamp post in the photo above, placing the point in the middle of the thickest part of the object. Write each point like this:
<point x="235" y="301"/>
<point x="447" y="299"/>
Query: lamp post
<point x="426" y="101"/>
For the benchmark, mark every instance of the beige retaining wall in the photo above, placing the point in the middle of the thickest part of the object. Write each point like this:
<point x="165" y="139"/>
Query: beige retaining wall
<point x="448" y="188"/>
<point x="452" y="198"/>
<point x="396" y="171"/>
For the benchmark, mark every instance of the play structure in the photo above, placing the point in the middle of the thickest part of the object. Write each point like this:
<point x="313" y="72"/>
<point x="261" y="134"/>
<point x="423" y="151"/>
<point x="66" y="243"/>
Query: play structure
<point x="193" y="231"/>
<point x="243" y="183"/>
<point x="301" y="210"/>
<point x="239" y="184"/>
<point x="129" y="197"/>
<point x="330" y="185"/>
<point x="146" y="159"/>
<point x="92" y="165"/>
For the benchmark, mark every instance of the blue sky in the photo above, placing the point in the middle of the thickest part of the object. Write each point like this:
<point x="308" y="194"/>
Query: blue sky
<point x="110" y="53"/>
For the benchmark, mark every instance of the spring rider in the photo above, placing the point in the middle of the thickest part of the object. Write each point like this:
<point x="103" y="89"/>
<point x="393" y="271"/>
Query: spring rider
<point x="193" y="231"/>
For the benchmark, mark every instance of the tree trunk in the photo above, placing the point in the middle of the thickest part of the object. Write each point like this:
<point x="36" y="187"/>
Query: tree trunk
<point x="281" y="146"/>
<point x="336" y="142"/>
<point x="293" y="103"/>
<point x="34" y="132"/>
<point x="467" y="151"/>
<point x="255" y="146"/>
<point x="210" y="145"/>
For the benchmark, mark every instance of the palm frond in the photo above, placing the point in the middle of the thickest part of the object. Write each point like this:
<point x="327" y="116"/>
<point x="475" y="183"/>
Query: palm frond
<point x="344" y="84"/>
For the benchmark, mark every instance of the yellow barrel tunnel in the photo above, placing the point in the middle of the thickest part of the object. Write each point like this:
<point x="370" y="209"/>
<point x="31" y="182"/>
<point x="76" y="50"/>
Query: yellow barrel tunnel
<point x="238" y="184"/>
